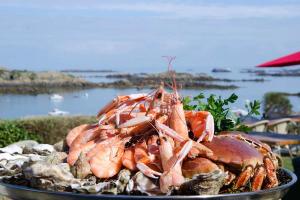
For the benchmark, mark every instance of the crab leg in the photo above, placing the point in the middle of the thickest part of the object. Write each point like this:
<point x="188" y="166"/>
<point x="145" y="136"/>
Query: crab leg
<point x="271" y="172"/>
<point x="244" y="177"/>
<point x="258" y="178"/>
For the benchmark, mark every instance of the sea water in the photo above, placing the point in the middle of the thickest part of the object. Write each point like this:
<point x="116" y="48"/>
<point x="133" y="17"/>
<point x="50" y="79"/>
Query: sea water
<point x="88" y="102"/>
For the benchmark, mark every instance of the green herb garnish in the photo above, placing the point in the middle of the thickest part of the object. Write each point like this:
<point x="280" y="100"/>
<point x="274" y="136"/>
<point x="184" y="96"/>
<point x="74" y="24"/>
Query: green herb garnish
<point x="220" y="110"/>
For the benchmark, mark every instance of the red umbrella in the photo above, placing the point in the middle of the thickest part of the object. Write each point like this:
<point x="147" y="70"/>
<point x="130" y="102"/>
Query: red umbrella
<point x="291" y="59"/>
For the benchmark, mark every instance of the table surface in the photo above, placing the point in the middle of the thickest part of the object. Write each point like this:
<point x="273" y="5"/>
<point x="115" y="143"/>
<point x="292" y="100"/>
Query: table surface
<point x="276" y="138"/>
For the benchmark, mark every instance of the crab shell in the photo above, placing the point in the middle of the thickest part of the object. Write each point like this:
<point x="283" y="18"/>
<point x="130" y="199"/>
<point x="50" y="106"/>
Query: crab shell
<point x="241" y="156"/>
<point x="234" y="152"/>
<point x="263" y="147"/>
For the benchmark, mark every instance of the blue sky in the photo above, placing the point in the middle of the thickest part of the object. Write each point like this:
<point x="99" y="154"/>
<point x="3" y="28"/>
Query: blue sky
<point x="133" y="35"/>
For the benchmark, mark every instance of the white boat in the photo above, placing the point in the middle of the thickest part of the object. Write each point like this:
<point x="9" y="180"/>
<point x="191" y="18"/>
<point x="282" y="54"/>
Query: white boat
<point x="57" y="112"/>
<point x="221" y="70"/>
<point x="240" y="112"/>
<point x="56" y="97"/>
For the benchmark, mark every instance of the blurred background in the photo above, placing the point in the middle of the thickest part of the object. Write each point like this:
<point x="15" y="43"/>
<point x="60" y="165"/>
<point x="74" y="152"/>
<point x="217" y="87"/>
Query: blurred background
<point x="93" y="40"/>
<point x="61" y="61"/>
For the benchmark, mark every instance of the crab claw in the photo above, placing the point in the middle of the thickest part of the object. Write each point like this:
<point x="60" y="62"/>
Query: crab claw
<point x="148" y="171"/>
<point x="168" y="131"/>
<point x="135" y="121"/>
<point x="202" y="124"/>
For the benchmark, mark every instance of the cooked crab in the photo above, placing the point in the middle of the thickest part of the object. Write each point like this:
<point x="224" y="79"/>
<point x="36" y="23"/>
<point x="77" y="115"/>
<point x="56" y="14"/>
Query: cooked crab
<point x="246" y="158"/>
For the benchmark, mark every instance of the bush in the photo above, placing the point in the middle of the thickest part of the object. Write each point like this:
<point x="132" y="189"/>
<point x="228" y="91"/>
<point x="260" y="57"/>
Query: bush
<point x="54" y="128"/>
<point x="11" y="132"/>
<point x="48" y="129"/>
<point x="276" y="105"/>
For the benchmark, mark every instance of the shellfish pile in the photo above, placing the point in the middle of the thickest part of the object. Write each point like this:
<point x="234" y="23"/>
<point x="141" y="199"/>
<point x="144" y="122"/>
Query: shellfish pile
<point x="154" y="135"/>
<point x="144" y="144"/>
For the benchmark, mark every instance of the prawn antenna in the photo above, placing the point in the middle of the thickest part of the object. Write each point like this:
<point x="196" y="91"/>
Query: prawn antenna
<point x="170" y="59"/>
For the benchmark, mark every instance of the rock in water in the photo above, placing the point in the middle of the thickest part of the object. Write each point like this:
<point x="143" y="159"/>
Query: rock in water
<point x="203" y="184"/>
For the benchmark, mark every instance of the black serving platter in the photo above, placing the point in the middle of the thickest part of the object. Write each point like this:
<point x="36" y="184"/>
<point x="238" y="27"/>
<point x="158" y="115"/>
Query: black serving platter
<point x="25" y="193"/>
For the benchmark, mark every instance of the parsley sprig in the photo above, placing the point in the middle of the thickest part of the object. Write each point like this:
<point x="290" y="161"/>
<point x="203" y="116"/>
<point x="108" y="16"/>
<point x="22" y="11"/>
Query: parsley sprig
<point x="220" y="110"/>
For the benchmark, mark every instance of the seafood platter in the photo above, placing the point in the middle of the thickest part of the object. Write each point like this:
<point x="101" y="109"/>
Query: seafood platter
<point x="145" y="146"/>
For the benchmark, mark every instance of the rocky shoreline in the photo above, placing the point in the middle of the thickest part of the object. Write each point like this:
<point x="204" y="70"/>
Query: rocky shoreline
<point x="27" y="82"/>
<point x="274" y="73"/>
<point x="43" y="87"/>
<point x="183" y="80"/>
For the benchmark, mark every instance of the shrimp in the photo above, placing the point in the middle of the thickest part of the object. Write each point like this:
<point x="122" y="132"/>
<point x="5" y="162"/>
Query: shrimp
<point x="75" y="132"/>
<point x="107" y="162"/>
<point x="177" y="119"/>
<point x="78" y="144"/>
<point x="143" y="155"/>
<point x="171" y="162"/>
<point x="120" y="100"/>
<point x="197" y="148"/>
<point x="128" y="160"/>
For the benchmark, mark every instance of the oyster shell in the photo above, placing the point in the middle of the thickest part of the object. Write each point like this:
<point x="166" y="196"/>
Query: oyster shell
<point x="112" y="187"/>
<point x="17" y="147"/>
<point x="60" y="172"/>
<point x="203" y="184"/>
<point x="26" y="143"/>
<point x="61" y="146"/>
<point x="40" y="149"/>
<point x="56" y="157"/>
<point x="11" y="149"/>
<point x="86" y="187"/>
<point x="43" y="175"/>
<point x="11" y="164"/>
<point x="139" y="184"/>
<point x="81" y="168"/>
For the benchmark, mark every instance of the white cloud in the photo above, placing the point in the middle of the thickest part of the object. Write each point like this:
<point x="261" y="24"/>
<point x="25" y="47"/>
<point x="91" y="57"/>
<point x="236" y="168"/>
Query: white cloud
<point x="103" y="47"/>
<point x="197" y="11"/>
<point x="172" y="9"/>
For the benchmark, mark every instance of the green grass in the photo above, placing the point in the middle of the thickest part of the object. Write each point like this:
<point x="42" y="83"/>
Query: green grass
<point x="11" y="132"/>
<point x="46" y="129"/>
<point x="287" y="163"/>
